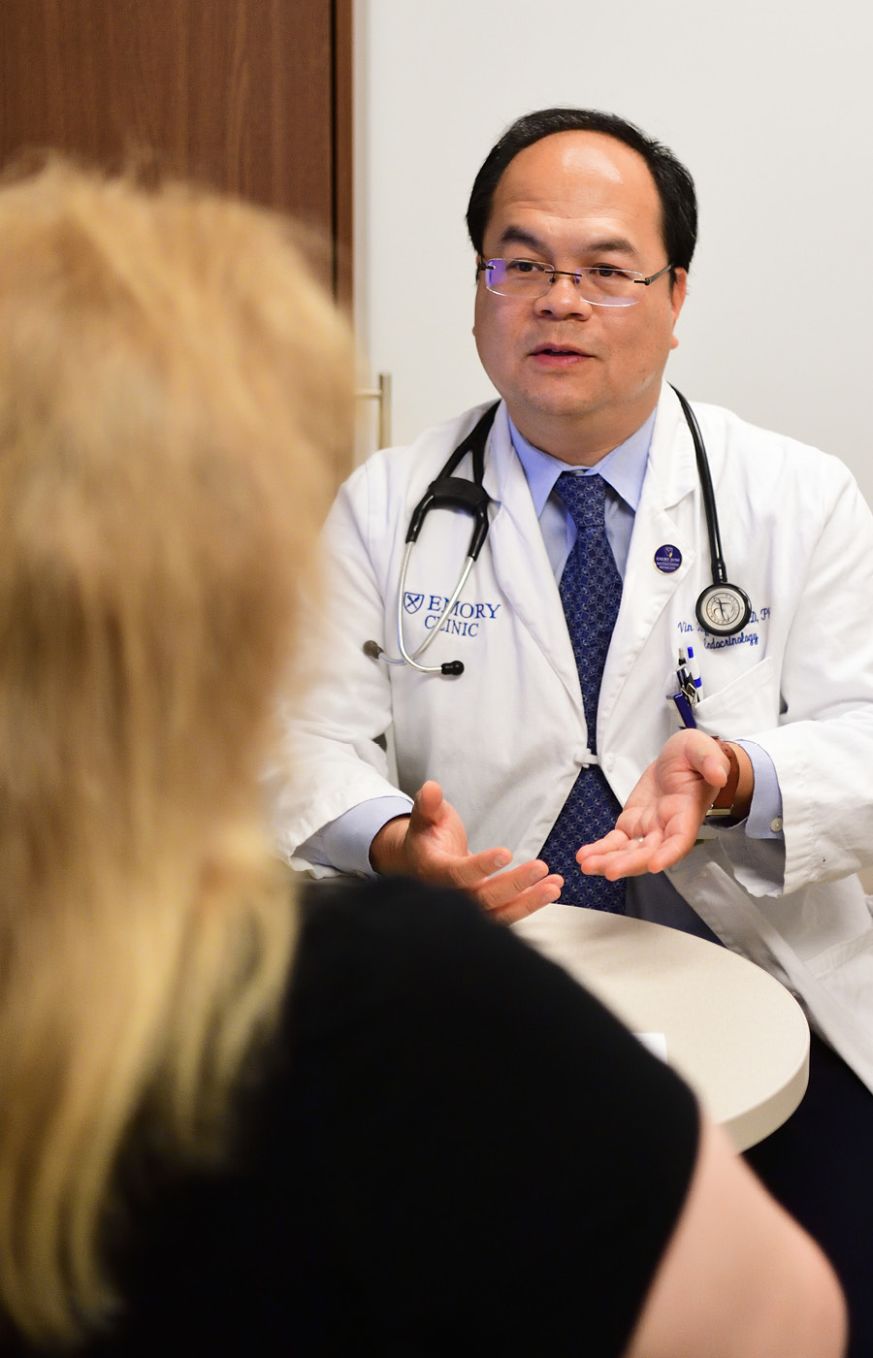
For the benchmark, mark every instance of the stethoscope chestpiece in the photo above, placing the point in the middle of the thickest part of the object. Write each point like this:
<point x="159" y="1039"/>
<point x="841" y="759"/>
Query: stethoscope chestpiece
<point x="723" y="609"/>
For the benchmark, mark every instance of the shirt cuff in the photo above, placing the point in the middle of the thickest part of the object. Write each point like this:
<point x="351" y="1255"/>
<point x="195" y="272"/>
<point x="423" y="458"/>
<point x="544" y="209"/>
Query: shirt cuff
<point x="344" y="843"/>
<point x="764" y="820"/>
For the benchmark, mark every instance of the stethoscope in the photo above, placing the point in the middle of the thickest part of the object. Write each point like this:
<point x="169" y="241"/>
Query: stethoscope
<point x="722" y="609"/>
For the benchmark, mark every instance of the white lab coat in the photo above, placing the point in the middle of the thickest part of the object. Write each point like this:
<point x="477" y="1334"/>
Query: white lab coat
<point x="506" y="738"/>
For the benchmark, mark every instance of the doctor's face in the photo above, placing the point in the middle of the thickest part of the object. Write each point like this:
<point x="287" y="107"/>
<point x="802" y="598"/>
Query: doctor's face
<point x="578" y="379"/>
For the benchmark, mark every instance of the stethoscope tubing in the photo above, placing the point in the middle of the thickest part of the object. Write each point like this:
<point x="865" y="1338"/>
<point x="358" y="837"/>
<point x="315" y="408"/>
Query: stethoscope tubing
<point x="447" y="608"/>
<point x="470" y="495"/>
<point x="716" y="559"/>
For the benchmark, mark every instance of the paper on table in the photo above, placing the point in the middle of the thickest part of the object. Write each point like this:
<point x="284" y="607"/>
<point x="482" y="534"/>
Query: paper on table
<point x="656" y="1043"/>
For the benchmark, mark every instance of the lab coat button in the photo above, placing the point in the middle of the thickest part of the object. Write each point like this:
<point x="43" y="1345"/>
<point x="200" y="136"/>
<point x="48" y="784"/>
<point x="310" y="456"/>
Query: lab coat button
<point x="609" y="762"/>
<point x="776" y="824"/>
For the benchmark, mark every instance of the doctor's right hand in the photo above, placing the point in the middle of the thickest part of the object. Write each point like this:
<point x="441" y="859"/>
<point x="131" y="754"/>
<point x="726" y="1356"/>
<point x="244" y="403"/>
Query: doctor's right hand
<point x="431" y="844"/>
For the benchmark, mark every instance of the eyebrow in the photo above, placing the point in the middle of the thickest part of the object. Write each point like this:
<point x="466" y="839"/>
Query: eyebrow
<point x="517" y="235"/>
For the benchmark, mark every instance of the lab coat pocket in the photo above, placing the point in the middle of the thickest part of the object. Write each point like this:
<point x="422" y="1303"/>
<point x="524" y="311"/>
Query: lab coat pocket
<point x="749" y="703"/>
<point x="850" y="965"/>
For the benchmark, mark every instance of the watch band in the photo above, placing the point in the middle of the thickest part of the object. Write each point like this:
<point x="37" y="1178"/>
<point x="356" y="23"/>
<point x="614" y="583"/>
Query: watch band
<point x="723" y="806"/>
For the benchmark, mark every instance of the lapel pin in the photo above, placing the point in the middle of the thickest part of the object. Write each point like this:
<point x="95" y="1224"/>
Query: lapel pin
<point x="668" y="558"/>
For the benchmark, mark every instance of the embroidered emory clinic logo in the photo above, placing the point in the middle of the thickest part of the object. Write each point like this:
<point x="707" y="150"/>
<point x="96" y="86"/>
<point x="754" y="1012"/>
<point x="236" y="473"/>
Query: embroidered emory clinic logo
<point x="465" y="617"/>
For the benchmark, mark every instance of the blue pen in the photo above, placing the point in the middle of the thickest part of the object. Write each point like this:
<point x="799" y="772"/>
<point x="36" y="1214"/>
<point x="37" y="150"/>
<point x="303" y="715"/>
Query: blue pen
<point x="695" y="675"/>
<point x="686" y="695"/>
<point x="685" y="710"/>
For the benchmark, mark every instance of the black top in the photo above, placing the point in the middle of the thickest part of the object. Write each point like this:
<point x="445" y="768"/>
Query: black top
<point x="457" y="1151"/>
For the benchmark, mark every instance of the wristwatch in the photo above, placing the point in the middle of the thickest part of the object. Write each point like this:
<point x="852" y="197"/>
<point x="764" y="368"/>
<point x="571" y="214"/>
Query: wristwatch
<point x="722" y="808"/>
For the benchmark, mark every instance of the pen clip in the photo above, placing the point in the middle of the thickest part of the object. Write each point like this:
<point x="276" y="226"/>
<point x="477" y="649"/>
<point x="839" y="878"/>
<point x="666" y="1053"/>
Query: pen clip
<point x="686" y="683"/>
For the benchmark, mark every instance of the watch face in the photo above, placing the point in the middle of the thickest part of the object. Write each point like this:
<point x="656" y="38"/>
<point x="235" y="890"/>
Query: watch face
<point x="723" y="610"/>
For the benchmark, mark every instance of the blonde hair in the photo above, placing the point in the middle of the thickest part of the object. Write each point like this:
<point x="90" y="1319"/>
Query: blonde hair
<point x="172" y="384"/>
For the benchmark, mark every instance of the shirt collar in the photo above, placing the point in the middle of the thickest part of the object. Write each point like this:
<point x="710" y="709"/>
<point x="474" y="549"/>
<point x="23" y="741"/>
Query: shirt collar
<point x="624" y="468"/>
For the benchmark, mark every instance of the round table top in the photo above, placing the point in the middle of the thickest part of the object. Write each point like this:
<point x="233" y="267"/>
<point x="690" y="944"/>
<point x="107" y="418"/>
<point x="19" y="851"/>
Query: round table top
<point x="736" y="1035"/>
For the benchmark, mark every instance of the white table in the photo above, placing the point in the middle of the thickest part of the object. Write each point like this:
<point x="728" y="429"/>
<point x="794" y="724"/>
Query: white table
<point x="736" y="1035"/>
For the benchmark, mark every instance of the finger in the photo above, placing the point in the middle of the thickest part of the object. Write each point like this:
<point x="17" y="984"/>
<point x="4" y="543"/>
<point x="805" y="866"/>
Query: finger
<point x="672" y="849"/>
<point x="544" y="892"/>
<point x="615" y="840"/>
<point x="706" y="757"/>
<point x="427" y="804"/>
<point x="472" y="870"/>
<point x="715" y="769"/>
<point x="632" y="859"/>
<point x="653" y="852"/>
<point x="508" y="886"/>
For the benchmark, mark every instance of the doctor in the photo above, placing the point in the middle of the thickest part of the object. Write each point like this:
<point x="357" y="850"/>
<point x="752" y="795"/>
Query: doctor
<point x="515" y="752"/>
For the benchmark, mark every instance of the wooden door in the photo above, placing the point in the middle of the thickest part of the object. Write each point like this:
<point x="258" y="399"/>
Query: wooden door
<point x="250" y="96"/>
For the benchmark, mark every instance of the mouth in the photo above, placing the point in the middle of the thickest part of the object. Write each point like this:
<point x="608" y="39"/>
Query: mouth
<point x="558" y="355"/>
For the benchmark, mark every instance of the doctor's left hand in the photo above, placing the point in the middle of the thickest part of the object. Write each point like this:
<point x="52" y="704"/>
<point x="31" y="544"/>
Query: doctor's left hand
<point x="663" y="814"/>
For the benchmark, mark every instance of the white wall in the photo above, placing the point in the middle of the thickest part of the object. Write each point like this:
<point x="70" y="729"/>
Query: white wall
<point x="769" y="104"/>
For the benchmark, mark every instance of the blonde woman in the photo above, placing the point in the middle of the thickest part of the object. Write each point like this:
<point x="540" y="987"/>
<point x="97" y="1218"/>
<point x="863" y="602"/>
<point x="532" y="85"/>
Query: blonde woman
<point x="373" y="1123"/>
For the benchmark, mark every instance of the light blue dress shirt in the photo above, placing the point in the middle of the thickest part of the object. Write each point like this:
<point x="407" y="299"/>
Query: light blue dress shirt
<point x="345" y="842"/>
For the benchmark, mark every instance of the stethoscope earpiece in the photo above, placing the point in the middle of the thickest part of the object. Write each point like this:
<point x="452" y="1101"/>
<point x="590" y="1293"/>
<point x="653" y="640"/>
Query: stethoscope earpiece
<point x="450" y="668"/>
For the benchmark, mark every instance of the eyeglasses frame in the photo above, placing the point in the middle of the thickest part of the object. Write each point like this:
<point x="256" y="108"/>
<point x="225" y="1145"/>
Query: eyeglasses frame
<point x="552" y="273"/>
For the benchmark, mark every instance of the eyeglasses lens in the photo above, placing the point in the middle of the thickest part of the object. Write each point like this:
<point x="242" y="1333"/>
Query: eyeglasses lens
<point x="604" y="286"/>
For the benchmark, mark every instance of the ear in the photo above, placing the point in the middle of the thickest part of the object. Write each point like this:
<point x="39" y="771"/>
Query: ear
<point x="478" y="294"/>
<point x="678" y="293"/>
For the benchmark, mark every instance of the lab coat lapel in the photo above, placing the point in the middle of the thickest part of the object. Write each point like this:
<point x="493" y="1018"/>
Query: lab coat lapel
<point x="665" y="517"/>
<point x="520" y="561"/>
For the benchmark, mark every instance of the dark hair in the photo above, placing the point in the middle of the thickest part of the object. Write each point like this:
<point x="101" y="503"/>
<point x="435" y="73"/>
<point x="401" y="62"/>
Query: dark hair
<point x="673" y="182"/>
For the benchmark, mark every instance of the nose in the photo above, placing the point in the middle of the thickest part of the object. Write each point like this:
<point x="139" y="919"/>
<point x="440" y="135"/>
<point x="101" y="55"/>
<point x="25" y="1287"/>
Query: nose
<point x="563" y="300"/>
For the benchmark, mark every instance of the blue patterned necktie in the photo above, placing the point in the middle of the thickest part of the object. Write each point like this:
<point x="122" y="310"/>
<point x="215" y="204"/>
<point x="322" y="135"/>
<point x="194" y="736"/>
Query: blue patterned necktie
<point x="591" y="593"/>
